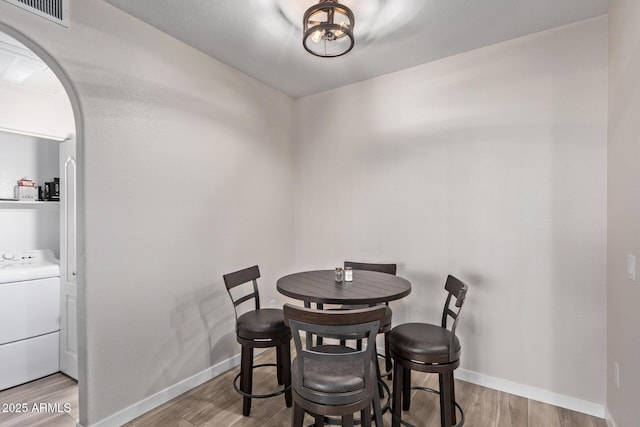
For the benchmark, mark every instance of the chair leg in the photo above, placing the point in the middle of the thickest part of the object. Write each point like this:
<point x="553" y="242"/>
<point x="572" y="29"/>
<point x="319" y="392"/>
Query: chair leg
<point x="377" y="410"/>
<point x="453" y="400"/>
<point x="388" y="363"/>
<point x="359" y="345"/>
<point x="343" y="342"/>
<point x="365" y="417"/>
<point x="396" y="402"/>
<point x="286" y="371"/>
<point x="406" y="389"/>
<point x="319" y="420"/>
<point x="246" y="378"/>
<point x="445" y="400"/>
<point x="378" y="376"/>
<point x="347" y="420"/>
<point x="279" y="363"/>
<point x="297" y="416"/>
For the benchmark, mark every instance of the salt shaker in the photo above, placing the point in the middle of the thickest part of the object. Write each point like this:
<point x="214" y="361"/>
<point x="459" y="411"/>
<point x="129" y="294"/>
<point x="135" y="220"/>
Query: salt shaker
<point x="339" y="274"/>
<point x="348" y="274"/>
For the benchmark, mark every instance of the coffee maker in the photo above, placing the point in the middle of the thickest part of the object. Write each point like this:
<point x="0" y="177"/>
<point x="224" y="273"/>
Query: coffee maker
<point x="52" y="190"/>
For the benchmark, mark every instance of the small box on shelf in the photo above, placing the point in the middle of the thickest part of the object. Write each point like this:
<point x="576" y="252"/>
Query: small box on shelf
<point x="25" y="193"/>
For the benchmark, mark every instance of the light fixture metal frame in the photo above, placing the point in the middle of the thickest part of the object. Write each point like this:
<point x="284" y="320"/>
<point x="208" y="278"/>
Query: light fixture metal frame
<point x="328" y="6"/>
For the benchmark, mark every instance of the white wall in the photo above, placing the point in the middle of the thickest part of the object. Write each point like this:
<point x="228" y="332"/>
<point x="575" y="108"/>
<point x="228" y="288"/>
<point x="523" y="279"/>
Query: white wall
<point x="489" y="165"/>
<point x="28" y="227"/>
<point x="188" y="174"/>
<point x="21" y="156"/>
<point x="623" y="157"/>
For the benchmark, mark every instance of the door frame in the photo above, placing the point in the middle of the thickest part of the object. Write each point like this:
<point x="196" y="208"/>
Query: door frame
<point x="69" y="88"/>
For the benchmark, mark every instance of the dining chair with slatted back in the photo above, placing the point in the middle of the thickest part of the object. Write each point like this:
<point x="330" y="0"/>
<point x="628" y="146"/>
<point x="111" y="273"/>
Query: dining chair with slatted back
<point x="429" y="348"/>
<point x="385" y="327"/>
<point x="331" y="379"/>
<point x="258" y="328"/>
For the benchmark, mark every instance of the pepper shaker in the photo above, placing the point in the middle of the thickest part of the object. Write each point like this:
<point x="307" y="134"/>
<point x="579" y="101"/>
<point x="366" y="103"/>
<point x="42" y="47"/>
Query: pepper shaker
<point x="339" y="274"/>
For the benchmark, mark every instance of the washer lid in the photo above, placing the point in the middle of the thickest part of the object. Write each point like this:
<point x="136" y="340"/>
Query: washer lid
<point x="18" y="266"/>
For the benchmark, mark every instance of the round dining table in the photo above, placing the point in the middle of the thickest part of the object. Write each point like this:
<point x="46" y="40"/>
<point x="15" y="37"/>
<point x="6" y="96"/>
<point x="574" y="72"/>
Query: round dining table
<point x="320" y="287"/>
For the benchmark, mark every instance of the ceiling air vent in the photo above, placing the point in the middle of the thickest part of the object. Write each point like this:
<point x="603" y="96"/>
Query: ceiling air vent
<point x="53" y="10"/>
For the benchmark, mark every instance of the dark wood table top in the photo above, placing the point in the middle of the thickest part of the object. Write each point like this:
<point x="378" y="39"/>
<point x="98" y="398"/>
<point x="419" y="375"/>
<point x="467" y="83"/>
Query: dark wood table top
<point x="367" y="287"/>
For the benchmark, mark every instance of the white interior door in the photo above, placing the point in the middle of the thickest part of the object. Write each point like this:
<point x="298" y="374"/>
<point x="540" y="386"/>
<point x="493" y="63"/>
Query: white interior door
<point x="68" y="272"/>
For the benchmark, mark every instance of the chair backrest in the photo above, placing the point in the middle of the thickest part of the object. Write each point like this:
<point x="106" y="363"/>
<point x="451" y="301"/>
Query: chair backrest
<point x="241" y="277"/>
<point x="360" y="323"/>
<point x="455" y="289"/>
<point x="381" y="268"/>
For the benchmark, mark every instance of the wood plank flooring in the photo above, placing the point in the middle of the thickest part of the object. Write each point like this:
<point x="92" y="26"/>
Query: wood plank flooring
<point x="49" y="395"/>
<point x="216" y="404"/>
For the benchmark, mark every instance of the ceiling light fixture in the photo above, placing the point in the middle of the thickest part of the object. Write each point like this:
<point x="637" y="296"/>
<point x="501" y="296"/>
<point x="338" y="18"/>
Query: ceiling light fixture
<point x="328" y="29"/>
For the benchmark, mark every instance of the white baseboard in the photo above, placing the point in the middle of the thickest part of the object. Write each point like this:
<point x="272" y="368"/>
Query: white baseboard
<point x="163" y="396"/>
<point x="534" y="393"/>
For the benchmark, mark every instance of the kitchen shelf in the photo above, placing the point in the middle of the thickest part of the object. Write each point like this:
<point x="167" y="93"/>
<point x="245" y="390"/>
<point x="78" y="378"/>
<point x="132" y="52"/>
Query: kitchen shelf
<point x="22" y="204"/>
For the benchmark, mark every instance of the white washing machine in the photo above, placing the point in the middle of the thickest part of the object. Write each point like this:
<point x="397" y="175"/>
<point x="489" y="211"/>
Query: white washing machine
<point x="29" y="316"/>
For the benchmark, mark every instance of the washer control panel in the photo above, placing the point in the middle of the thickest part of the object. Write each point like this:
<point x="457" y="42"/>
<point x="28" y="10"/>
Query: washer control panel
<point x="26" y="265"/>
<point x="26" y="257"/>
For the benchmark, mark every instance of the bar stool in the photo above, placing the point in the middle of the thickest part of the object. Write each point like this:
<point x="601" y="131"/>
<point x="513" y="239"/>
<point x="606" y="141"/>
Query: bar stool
<point x="385" y="326"/>
<point x="331" y="379"/>
<point x="259" y="328"/>
<point x="428" y="348"/>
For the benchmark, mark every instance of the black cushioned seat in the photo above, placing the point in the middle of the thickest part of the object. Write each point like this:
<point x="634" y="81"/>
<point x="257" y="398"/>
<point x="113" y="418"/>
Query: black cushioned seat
<point x="425" y="339"/>
<point x="331" y="377"/>
<point x="265" y="321"/>
<point x="388" y="314"/>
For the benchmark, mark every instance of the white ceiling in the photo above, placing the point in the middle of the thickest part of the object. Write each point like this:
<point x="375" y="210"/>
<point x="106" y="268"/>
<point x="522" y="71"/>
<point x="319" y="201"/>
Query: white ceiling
<point x="21" y="69"/>
<point x="263" y="38"/>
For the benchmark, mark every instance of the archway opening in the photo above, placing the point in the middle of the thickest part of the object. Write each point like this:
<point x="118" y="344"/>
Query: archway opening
<point x="40" y="178"/>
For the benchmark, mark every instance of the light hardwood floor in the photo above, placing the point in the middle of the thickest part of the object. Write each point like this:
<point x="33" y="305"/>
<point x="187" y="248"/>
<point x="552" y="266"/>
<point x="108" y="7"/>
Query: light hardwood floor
<point x="216" y="404"/>
<point x="49" y="395"/>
